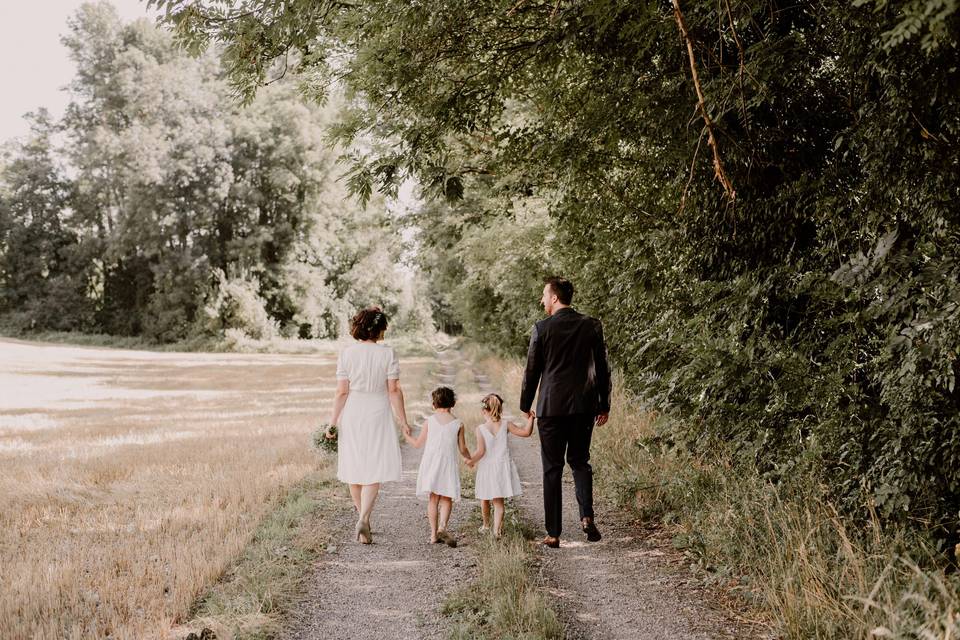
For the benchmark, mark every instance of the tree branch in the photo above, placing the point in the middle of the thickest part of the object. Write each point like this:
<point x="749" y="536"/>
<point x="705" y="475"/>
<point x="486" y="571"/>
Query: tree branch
<point x="718" y="171"/>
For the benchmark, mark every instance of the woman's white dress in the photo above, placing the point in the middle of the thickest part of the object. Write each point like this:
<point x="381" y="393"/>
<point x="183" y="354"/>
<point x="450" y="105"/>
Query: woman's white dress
<point x="368" y="449"/>
<point x="497" y="476"/>
<point x="440" y="465"/>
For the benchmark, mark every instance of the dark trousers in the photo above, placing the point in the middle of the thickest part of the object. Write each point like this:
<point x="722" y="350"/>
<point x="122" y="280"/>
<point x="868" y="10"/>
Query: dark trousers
<point x="565" y="436"/>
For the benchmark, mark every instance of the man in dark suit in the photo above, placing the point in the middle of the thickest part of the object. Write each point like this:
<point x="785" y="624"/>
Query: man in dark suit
<point x="567" y="359"/>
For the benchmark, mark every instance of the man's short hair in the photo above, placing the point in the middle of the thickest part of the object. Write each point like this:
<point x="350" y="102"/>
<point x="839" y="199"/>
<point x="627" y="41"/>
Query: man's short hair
<point x="562" y="288"/>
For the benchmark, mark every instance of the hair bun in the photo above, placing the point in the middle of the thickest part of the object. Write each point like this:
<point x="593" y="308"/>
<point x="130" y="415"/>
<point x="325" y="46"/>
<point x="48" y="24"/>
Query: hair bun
<point x="368" y="323"/>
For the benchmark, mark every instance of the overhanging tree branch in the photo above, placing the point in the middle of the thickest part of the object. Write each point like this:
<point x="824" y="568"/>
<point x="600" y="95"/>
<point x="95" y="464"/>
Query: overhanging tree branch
<point x="701" y="103"/>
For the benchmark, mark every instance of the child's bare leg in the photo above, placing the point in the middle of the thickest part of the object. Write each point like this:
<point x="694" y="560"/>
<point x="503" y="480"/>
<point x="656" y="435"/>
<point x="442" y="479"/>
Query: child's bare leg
<point x="446" y="505"/>
<point x="432" y="516"/>
<point x="498" y="517"/>
<point x="485" y="513"/>
<point x="355" y="490"/>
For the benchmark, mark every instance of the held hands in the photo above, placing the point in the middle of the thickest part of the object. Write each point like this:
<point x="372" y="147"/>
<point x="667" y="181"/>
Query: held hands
<point x="527" y="429"/>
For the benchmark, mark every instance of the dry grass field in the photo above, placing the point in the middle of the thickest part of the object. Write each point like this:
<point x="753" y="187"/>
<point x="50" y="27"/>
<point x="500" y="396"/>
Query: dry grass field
<point x="129" y="480"/>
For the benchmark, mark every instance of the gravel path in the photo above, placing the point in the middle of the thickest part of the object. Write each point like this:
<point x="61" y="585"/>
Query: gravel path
<point x="393" y="588"/>
<point x="623" y="587"/>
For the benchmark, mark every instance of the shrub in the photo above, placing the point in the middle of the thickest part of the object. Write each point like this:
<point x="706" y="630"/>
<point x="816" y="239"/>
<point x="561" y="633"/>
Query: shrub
<point x="235" y="305"/>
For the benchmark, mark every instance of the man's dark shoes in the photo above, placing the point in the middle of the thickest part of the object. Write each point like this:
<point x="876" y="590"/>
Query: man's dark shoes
<point x="550" y="541"/>
<point x="589" y="528"/>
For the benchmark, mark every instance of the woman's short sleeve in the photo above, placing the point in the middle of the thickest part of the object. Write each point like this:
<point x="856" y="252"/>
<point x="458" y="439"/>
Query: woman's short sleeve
<point x="393" y="370"/>
<point x="341" y="369"/>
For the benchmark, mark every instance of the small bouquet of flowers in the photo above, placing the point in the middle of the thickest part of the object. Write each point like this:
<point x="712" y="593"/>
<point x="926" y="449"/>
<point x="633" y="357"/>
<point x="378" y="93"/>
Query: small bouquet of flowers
<point x="325" y="438"/>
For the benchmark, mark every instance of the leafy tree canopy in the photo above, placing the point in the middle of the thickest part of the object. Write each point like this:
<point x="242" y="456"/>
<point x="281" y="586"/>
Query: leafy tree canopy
<point x="170" y="210"/>
<point x="757" y="197"/>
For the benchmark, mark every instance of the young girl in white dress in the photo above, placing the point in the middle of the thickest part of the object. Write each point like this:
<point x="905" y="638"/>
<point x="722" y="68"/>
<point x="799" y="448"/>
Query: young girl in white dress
<point x="497" y="476"/>
<point x="438" y="478"/>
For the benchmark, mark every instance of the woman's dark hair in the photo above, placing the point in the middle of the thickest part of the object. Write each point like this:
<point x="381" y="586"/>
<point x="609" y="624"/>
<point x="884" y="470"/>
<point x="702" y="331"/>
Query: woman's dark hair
<point x="562" y="288"/>
<point x="443" y="398"/>
<point x="368" y="324"/>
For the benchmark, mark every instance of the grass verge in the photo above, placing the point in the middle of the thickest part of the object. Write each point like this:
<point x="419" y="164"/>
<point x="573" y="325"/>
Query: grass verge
<point x="410" y="344"/>
<point x="77" y="338"/>
<point x="781" y="553"/>
<point x="504" y="600"/>
<point x="250" y="600"/>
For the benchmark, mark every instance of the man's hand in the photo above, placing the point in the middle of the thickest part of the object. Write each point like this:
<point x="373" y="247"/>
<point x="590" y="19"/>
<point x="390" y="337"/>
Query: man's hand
<point x="602" y="419"/>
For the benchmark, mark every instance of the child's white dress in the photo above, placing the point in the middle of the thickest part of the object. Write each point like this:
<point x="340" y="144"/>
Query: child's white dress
<point x="440" y="465"/>
<point x="496" y="474"/>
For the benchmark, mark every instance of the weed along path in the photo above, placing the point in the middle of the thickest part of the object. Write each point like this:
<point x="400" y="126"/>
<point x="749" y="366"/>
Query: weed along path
<point x="395" y="587"/>
<point x="622" y="587"/>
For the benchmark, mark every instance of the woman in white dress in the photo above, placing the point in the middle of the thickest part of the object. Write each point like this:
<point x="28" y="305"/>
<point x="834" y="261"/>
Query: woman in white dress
<point x="368" y="397"/>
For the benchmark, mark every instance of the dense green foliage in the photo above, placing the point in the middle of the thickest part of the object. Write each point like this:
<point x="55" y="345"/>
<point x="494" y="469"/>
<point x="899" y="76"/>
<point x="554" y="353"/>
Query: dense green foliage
<point x="159" y="207"/>
<point x="810" y="324"/>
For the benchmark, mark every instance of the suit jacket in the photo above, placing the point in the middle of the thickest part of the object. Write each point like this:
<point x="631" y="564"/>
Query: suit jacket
<point x="567" y="358"/>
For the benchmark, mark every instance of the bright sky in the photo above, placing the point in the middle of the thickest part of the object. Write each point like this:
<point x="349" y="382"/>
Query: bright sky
<point x="35" y="65"/>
